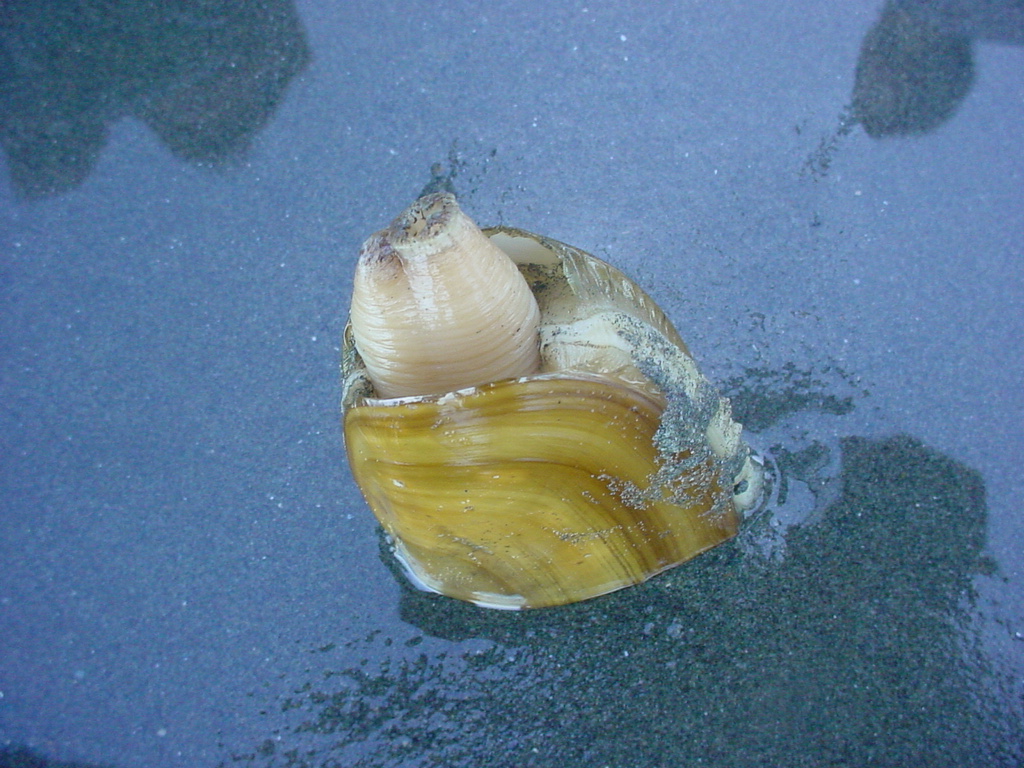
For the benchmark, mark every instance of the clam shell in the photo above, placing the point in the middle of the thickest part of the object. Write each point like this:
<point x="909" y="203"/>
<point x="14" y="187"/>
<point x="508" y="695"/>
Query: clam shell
<point x="614" y="462"/>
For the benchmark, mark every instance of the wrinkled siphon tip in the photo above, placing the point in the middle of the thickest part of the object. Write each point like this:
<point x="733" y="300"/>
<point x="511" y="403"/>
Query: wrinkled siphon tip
<point x="427" y="215"/>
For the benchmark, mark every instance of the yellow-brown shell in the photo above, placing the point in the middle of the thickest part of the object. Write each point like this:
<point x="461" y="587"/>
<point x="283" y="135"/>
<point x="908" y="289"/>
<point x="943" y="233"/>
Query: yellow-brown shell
<point x="615" y="461"/>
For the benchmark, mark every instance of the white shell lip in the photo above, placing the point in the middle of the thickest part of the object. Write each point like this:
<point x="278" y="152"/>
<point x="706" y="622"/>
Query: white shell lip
<point x="424" y="583"/>
<point x="458" y="394"/>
